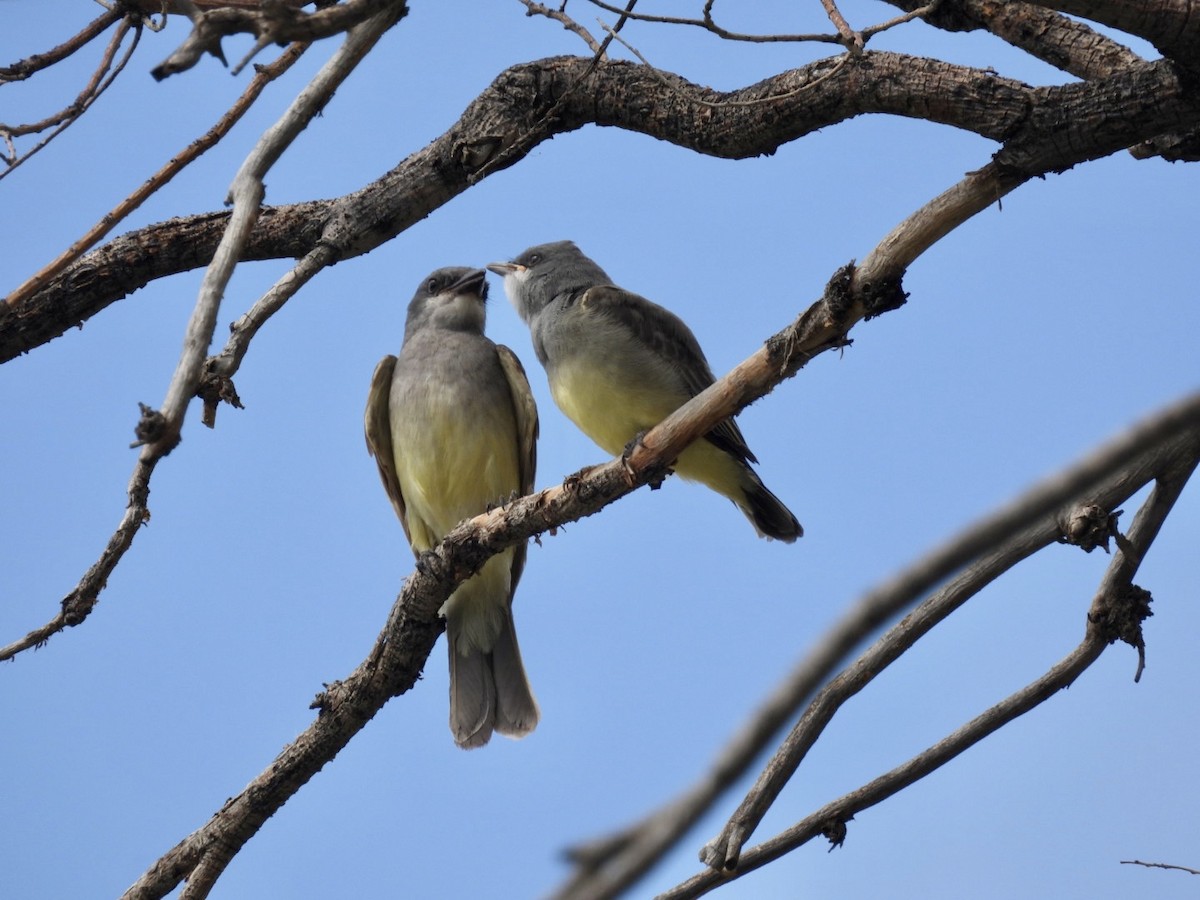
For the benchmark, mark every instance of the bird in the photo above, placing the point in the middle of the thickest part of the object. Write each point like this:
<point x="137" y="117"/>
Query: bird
<point x="618" y="364"/>
<point x="453" y="427"/>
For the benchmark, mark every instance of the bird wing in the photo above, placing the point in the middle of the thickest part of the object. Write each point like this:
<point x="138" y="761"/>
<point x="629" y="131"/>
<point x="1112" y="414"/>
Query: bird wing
<point x="667" y="337"/>
<point x="527" y="434"/>
<point x="378" y="426"/>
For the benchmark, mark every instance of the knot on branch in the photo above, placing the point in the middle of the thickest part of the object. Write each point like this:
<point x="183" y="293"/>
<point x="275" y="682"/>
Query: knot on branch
<point x="838" y="298"/>
<point x="1089" y="527"/>
<point x="473" y="155"/>
<point x="879" y="297"/>
<point x="327" y="698"/>
<point x="214" y="389"/>
<point x="76" y="607"/>
<point x="151" y="427"/>
<point x="835" y="832"/>
<point x="1119" y="617"/>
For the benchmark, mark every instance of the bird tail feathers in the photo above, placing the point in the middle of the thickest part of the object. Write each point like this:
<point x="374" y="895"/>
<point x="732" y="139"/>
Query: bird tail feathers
<point x="771" y="519"/>
<point x="488" y="691"/>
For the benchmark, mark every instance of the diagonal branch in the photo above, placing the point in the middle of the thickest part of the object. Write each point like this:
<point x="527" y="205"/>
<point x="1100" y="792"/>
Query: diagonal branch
<point x="1170" y="25"/>
<point x="31" y="65"/>
<point x="159" y="431"/>
<point x="1073" y="123"/>
<point x="1182" y="440"/>
<point x="1117" y="610"/>
<point x="264" y="76"/>
<point x="103" y="77"/>
<point x="493" y="134"/>
<point x="981" y="553"/>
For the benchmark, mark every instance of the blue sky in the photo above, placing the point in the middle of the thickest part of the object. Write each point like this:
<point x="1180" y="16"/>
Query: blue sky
<point x="1032" y="333"/>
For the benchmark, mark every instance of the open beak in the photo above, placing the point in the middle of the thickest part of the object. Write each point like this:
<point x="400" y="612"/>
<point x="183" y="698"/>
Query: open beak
<point x="474" y="282"/>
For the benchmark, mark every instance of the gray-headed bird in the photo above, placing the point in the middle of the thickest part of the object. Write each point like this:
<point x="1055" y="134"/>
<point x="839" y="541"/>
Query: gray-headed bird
<point x="453" y="426"/>
<point x="618" y="365"/>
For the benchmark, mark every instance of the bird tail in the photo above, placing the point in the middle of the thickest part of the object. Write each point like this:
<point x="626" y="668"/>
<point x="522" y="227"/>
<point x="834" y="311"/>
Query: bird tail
<point x="489" y="691"/>
<point x="516" y="710"/>
<point x="771" y="519"/>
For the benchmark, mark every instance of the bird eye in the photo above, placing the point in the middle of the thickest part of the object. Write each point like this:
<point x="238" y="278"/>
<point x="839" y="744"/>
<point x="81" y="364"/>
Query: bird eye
<point x="535" y="258"/>
<point x="432" y="286"/>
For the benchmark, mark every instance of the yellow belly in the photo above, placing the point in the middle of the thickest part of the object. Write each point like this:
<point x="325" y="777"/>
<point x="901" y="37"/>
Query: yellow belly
<point x="612" y="410"/>
<point x="451" y="469"/>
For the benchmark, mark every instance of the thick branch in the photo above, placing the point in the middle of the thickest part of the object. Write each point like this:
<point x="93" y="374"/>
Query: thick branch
<point x="1055" y="39"/>
<point x="1172" y="26"/>
<point x="1045" y="130"/>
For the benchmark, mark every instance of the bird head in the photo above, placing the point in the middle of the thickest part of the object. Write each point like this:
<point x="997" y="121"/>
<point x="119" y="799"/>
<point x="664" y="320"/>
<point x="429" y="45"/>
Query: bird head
<point x="543" y="273"/>
<point x="451" y="298"/>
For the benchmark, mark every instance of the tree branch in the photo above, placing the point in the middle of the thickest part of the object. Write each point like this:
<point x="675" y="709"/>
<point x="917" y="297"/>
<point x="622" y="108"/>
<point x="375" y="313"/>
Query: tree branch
<point x="981" y="553"/>
<point x="272" y="22"/>
<point x="102" y="77"/>
<point x="159" y="431"/>
<point x="31" y="65"/>
<point x="1117" y="600"/>
<point x="264" y="76"/>
<point x="1074" y="123"/>
<point x="1170" y="25"/>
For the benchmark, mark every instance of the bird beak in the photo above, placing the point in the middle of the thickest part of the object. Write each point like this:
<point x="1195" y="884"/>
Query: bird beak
<point x="506" y="268"/>
<point x="474" y="282"/>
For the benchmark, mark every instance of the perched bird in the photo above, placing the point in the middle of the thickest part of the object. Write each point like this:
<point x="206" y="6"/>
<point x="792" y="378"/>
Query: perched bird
<point x="453" y="426"/>
<point x="618" y="365"/>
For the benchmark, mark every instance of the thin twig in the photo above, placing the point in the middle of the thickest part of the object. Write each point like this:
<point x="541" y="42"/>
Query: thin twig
<point x="1153" y="865"/>
<point x="217" y="384"/>
<point x="1111" y="596"/>
<point x="692" y="97"/>
<point x="708" y="24"/>
<point x="264" y="76"/>
<point x="611" y="864"/>
<point x="559" y="15"/>
<point x="853" y="40"/>
<point x="159" y="431"/>
<point x="96" y="86"/>
<point x="31" y="65"/>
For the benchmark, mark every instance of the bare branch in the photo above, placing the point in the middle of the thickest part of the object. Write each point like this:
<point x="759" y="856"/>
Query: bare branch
<point x="102" y="77"/>
<point x="708" y="24"/>
<point x="1170" y="25"/>
<point x="851" y="39"/>
<point x="1165" y="443"/>
<point x="1150" y="865"/>
<point x="1118" y="461"/>
<point x="533" y="8"/>
<point x="264" y="76"/>
<point x="217" y="381"/>
<point x="159" y="431"/>
<point x="1060" y="41"/>
<point x="23" y="69"/>
<point x="272" y="22"/>
<point x="1116" y="599"/>
<point x="1072" y="123"/>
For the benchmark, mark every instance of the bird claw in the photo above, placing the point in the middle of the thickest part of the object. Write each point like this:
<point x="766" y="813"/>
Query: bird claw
<point x="655" y="479"/>
<point x="426" y="561"/>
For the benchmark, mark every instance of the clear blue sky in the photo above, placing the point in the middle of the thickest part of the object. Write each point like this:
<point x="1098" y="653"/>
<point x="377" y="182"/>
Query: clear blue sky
<point x="650" y="631"/>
